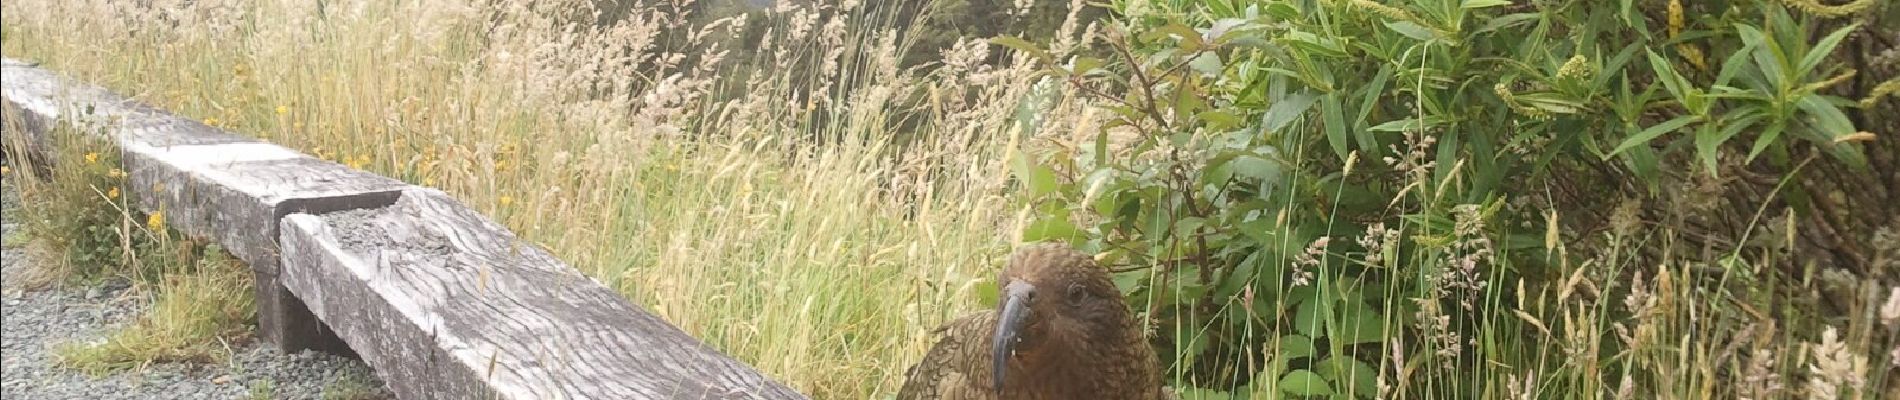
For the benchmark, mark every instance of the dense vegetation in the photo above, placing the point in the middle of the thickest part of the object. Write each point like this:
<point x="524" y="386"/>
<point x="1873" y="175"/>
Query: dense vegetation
<point x="79" y="227"/>
<point x="1306" y="198"/>
<point x="1406" y="199"/>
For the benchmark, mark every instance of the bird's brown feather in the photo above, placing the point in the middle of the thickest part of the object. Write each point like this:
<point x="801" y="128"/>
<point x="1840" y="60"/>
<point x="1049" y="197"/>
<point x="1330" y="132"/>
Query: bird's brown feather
<point x="956" y="367"/>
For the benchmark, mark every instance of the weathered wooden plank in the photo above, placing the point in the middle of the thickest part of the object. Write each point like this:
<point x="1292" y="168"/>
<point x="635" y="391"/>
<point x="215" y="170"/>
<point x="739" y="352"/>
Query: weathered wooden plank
<point x="235" y="193"/>
<point x="36" y="98"/>
<point x="209" y="183"/>
<point x="445" y="303"/>
<point x="41" y="97"/>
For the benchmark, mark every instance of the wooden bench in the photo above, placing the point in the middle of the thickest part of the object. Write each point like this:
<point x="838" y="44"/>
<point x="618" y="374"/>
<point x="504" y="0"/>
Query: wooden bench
<point x="443" y="302"/>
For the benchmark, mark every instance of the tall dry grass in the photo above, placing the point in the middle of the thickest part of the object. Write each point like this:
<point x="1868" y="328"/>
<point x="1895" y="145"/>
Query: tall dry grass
<point x="639" y="150"/>
<point x="778" y="185"/>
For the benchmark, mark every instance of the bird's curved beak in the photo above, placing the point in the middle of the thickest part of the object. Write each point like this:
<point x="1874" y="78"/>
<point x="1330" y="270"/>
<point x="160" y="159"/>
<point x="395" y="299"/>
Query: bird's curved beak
<point x="1009" y="327"/>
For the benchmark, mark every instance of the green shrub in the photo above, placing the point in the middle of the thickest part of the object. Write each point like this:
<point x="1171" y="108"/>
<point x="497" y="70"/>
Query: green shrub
<point x="1353" y="197"/>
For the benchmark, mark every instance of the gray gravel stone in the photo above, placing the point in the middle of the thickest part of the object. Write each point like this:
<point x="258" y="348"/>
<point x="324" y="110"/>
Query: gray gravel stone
<point x="35" y="321"/>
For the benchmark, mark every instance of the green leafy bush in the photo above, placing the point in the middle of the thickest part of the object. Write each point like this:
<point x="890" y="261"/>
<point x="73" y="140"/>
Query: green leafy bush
<point x="1300" y="194"/>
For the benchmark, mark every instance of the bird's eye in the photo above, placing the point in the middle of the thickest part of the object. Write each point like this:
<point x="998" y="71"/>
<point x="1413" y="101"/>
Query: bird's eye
<point x="1076" y="293"/>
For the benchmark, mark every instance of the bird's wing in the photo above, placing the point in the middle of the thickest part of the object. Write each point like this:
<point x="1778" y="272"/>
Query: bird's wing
<point x="958" y="366"/>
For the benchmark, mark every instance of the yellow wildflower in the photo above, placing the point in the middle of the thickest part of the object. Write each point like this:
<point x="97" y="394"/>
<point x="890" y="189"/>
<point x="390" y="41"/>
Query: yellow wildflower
<point x="1675" y="17"/>
<point x="506" y="200"/>
<point x="281" y="110"/>
<point x="211" y="121"/>
<point x="156" y="220"/>
<point x="92" y="158"/>
<point x="112" y="194"/>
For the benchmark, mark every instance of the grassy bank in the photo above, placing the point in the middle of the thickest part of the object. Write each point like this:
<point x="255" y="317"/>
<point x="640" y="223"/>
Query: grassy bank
<point x="823" y="265"/>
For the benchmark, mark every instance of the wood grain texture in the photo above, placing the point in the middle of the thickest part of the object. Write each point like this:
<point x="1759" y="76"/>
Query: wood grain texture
<point x="40" y="97"/>
<point x="209" y="183"/>
<point x="235" y="194"/>
<point x="447" y="304"/>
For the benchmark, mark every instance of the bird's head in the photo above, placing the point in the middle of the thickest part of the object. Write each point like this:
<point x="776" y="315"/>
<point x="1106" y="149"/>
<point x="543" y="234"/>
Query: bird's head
<point x="1055" y="301"/>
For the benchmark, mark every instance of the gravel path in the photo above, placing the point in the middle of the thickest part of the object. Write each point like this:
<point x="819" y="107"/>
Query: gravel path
<point x="36" y="321"/>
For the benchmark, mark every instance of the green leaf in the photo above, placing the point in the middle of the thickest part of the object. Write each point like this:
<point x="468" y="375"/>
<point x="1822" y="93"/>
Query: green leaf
<point x="1359" y="324"/>
<point x="1395" y="125"/>
<point x="1828" y="118"/>
<point x="1054" y="227"/>
<point x="1642" y="160"/>
<point x="1283" y="112"/>
<point x="1643" y="138"/>
<point x="1294" y="347"/>
<point x="1408" y="123"/>
<point x="1305" y="383"/>
<point x="1194" y="393"/>
<point x="1310" y="319"/>
<point x="1506" y="21"/>
<point x="1767" y="137"/>
<point x="1552" y="102"/>
<point x="1219" y="120"/>
<point x="1349" y="373"/>
<point x="1672" y="81"/>
<point x="1261" y="229"/>
<point x="1335" y="117"/>
<point x="1282" y="10"/>
<point x="1830" y="123"/>
<point x="1733" y="65"/>
<point x="1128" y="281"/>
<point x="1767" y="55"/>
<point x="1823" y="48"/>
<point x="1190" y="38"/>
<point x="1040" y="179"/>
<point x="1314" y="44"/>
<point x="1195" y="346"/>
<point x="1260" y="169"/>
<point x="1475" y="4"/>
<point x="1207" y="64"/>
<point x="1708" y="139"/>
<point x="1022" y="45"/>
<point x="1084" y="65"/>
<point x="1235" y="282"/>
<point x="1223" y="28"/>
<point x="1412" y="30"/>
